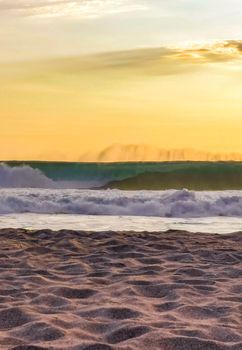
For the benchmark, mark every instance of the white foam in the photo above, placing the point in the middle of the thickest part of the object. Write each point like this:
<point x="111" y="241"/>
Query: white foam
<point x="24" y="176"/>
<point x="171" y="203"/>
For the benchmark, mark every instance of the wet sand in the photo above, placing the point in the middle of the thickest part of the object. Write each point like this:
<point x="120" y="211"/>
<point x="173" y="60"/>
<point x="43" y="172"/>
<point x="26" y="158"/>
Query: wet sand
<point x="129" y="291"/>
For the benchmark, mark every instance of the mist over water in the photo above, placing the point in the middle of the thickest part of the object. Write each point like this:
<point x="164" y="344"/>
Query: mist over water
<point x="146" y="153"/>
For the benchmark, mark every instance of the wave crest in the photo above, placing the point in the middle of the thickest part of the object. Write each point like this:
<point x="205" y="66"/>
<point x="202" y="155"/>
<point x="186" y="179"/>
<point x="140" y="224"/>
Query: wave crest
<point x="24" y="176"/>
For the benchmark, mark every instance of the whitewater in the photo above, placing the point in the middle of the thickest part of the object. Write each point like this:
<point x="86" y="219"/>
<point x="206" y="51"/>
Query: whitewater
<point x="170" y="203"/>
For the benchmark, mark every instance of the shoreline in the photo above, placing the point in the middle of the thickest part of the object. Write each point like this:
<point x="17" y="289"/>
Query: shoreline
<point x="79" y="290"/>
<point x="173" y="233"/>
<point x="100" y="223"/>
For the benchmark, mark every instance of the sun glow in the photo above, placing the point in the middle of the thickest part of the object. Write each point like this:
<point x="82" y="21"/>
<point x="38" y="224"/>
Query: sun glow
<point x="79" y="76"/>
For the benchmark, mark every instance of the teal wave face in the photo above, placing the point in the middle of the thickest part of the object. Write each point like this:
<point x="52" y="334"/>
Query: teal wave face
<point x="197" y="181"/>
<point x="144" y="175"/>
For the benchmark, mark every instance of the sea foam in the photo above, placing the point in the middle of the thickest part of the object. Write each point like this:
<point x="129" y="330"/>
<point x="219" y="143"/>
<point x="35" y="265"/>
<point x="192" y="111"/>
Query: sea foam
<point x="23" y="176"/>
<point x="170" y="203"/>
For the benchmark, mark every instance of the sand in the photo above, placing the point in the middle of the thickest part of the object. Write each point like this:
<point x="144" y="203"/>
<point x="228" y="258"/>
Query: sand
<point x="128" y="291"/>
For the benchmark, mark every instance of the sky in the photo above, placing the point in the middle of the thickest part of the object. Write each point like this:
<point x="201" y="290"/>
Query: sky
<point x="79" y="77"/>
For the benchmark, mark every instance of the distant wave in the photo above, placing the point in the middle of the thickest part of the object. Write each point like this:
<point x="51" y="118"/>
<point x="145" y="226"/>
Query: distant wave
<point x="180" y="203"/>
<point x="198" y="180"/>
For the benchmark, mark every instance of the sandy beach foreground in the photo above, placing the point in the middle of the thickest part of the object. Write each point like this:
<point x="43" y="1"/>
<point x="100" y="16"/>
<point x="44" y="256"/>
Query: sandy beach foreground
<point x="101" y="291"/>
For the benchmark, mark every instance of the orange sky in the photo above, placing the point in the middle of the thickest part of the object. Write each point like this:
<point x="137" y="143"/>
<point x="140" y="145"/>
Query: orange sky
<point x="64" y="105"/>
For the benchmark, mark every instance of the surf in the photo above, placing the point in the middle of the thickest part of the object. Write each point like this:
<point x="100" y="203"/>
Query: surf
<point x="169" y="203"/>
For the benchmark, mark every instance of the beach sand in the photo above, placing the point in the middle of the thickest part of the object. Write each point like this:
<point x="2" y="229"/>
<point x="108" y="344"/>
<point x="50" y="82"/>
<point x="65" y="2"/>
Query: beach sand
<point x="128" y="291"/>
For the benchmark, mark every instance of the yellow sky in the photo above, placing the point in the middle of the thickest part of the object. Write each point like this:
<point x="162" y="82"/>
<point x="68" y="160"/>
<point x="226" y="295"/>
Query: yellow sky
<point x="168" y="96"/>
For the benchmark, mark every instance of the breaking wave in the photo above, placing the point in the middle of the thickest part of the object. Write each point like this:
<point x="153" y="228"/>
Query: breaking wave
<point x="23" y="176"/>
<point x="27" y="177"/>
<point x="170" y="203"/>
<point x="197" y="176"/>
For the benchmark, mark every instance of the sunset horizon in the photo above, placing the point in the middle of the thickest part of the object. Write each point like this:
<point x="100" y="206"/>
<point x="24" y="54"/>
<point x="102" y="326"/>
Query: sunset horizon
<point x="79" y="76"/>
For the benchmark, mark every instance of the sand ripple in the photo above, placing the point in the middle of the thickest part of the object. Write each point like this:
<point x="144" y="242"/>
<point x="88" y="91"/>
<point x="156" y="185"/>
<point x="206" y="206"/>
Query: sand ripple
<point x="71" y="290"/>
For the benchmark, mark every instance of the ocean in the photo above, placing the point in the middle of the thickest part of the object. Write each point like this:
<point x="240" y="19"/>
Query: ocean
<point x="193" y="196"/>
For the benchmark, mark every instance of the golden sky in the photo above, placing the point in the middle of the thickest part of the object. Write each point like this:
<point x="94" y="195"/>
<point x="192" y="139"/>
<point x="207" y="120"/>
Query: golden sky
<point x="79" y="76"/>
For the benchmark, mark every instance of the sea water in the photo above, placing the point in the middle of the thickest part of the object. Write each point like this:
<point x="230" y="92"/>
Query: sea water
<point x="54" y="195"/>
<point x="101" y="210"/>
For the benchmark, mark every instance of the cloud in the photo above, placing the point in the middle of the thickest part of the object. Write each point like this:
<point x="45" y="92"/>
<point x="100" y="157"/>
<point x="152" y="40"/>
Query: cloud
<point x="212" y="52"/>
<point x="77" y="8"/>
<point x="156" y="61"/>
<point x="235" y="45"/>
<point x="119" y="65"/>
<point x="175" y="56"/>
<point x="7" y="5"/>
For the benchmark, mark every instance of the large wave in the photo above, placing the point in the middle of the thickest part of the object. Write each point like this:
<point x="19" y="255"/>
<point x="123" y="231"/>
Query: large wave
<point x="125" y="176"/>
<point x="180" y="203"/>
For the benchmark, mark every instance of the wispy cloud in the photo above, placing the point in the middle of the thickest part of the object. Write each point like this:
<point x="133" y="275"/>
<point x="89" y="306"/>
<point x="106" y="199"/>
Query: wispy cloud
<point x="77" y="8"/>
<point x="211" y="52"/>
<point x="160" y="61"/>
<point x="156" y="61"/>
